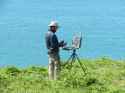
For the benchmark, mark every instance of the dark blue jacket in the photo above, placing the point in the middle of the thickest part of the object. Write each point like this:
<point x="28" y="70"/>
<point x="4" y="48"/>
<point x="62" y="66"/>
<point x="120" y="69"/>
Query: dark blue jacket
<point x="52" y="43"/>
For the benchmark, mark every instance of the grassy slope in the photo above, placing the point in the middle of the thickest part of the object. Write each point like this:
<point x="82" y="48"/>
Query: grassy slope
<point x="104" y="76"/>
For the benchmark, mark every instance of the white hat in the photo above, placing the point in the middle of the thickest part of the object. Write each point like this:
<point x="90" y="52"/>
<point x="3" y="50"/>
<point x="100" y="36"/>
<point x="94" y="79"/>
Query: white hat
<point x="53" y="23"/>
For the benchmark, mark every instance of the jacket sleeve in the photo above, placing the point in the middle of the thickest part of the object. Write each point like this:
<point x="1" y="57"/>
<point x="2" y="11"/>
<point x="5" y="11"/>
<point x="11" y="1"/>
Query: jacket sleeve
<point x="54" y="42"/>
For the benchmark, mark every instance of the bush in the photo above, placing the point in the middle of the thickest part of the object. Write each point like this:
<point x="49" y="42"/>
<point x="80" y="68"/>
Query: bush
<point x="104" y="76"/>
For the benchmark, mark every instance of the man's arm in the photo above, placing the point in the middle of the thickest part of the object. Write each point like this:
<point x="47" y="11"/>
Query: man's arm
<point x="54" y="42"/>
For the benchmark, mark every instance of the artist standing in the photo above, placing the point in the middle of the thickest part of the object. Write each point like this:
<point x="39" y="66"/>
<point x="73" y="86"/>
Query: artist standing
<point x="53" y="46"/>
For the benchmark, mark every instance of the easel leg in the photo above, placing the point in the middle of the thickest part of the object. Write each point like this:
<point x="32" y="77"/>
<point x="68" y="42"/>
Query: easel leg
<point x="84" y="68"/>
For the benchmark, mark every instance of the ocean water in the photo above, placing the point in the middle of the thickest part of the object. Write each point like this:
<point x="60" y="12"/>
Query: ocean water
<point x="23" y="24"/>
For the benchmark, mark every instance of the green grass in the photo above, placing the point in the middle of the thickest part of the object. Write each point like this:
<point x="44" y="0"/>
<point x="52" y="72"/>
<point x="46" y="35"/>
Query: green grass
<point x="104" y="76"/>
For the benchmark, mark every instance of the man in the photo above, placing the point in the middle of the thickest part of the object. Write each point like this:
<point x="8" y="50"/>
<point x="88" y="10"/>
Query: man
<point x="53" y="46"/>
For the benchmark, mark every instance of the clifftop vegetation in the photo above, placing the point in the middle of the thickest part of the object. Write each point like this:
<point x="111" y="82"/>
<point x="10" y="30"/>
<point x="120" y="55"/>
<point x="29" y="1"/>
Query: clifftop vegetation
<point x="104" y="76"/>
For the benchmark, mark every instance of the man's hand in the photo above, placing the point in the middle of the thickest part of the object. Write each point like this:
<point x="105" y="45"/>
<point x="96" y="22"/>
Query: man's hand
<point x="62" y="43"/>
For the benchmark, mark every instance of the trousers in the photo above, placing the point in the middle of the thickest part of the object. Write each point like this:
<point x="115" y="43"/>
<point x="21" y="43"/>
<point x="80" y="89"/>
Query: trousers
<point x="54" y="66"/>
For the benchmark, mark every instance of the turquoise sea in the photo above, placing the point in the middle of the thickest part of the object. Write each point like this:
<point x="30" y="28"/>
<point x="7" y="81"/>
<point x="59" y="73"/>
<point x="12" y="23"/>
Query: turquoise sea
<point x="23" y="24"/>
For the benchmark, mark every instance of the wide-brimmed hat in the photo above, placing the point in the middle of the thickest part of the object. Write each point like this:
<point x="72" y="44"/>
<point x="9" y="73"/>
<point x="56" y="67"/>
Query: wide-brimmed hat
<point x="53" y="23"/>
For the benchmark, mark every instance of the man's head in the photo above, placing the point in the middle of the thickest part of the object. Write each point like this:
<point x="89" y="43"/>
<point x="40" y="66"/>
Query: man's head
<point x="53" y="26"/>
